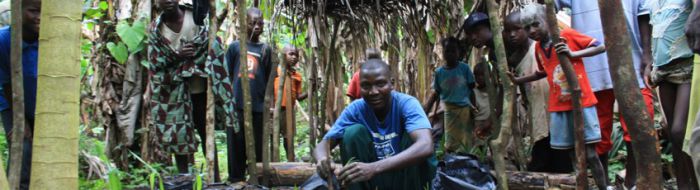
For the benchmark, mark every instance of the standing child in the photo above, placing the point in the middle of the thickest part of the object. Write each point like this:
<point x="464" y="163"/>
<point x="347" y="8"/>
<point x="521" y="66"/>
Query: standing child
<point x="454" y="82"/>
<point x="575" y="46"/>
<point x="292" y="86"/>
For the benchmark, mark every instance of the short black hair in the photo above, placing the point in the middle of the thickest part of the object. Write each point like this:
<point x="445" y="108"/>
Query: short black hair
<point x="450" y="42"/>
<point x="376" y="64"/>
<point x="481" y="68"/>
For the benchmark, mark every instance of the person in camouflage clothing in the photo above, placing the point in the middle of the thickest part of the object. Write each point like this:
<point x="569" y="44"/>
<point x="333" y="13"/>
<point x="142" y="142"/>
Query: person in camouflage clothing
<point x="177" y="70"/>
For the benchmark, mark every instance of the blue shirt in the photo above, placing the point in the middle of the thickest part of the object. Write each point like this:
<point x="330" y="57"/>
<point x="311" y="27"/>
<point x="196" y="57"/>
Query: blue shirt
<point x="259" y="67"/>
<point x="585" y="18"/>
<point x="668" y="40"/>
<point x="30" y="52"/>
<point x="454" y="85"/>
<point x="406" y="114"/>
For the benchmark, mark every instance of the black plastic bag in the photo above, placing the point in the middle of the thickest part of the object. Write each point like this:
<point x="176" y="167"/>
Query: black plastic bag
<point x="458" y="172"/>
<point x="315" y="182"/>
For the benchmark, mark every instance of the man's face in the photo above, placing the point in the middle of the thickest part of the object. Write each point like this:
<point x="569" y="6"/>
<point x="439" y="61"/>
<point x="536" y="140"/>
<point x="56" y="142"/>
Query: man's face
<point x="168" y="5"/>
<point x="481" y="35"/>
<point x="537" y="30"/>
<point x="255" y="24"/>
<point x="31" y="15"/>
<point x="376" y="87"/>
<point x="291" y="57"/>
<point x="515" y="34"/>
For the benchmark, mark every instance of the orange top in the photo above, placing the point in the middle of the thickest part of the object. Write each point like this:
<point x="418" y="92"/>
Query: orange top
<point x="296" y="86"/>
<point x="559" y="90"/>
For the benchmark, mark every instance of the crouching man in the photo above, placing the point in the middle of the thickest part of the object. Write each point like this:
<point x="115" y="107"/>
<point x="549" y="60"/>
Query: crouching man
<point x="385" y="140"/>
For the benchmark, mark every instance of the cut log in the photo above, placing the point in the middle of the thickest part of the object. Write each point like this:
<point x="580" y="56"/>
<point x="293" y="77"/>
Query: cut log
<point x="296" y="173"/>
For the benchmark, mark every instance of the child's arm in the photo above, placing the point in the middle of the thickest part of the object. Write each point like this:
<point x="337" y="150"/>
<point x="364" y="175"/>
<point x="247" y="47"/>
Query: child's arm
<point x="432" y="97"/>
<point x="527" y="78"/>
<point x="302" y="96"/>
<point x="562" y="47"/>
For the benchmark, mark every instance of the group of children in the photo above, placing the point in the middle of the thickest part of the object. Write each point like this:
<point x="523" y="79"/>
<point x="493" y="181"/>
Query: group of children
<point x="549" y="103"/>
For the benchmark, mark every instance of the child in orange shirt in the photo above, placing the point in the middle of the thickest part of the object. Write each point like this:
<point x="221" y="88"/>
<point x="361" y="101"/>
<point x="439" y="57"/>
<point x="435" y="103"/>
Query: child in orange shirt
<point x="575" y="46"/>
<point x="292" y="85"/>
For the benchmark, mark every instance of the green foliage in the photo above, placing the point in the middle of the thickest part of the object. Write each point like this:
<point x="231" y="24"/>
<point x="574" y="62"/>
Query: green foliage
<point x="114" y="180"/>
<point x="118" y="51"/>
<point x="132" y="35"/>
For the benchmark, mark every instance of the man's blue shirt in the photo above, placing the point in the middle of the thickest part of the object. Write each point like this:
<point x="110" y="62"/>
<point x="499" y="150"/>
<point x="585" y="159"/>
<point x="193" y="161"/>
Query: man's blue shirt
<point x="30" y="53"/>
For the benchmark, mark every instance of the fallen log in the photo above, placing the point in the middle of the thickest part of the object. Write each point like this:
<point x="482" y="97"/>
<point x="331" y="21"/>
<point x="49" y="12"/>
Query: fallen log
<point x="295" y="173"/>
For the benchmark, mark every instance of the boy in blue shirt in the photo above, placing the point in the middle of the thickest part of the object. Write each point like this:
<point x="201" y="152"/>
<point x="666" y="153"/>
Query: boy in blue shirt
<point x="385" y="133"/>
<point x="454" y="82"/>
<point x="31" y="11"/>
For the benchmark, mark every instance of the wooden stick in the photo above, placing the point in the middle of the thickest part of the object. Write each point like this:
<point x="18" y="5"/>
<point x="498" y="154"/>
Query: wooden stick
<point x="18" y="117"/>
<point x="210" y="154"/>
<point x="245" y="83"/>
<point x="289" y="111"/>
<point x="640" y="124"/>
<point x="572" y="80"/>
<point x="503" y="127"/>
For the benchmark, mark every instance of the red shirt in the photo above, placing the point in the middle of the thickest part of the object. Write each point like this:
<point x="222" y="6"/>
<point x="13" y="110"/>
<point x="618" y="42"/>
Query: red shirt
<point x="559" y="91"/>
<point x="354" y="86"/>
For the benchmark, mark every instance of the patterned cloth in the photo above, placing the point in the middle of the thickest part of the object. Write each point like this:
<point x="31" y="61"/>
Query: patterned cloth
<point x="171" y="104"/>
<point x="668" y="41"/>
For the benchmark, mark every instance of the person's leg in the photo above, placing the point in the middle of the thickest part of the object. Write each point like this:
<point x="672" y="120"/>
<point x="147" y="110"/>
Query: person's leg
<point x="257" y="134"/>
<point x="458" y="131"/>
<point x="288" y="136"/>
<point x="199" y="110"/>
<point x="684" y="174"/>
<point x="236" y="151"/>
<point x="604" y="107"/>
<point x="183" y="163"/>
<point x="596" y="167"/>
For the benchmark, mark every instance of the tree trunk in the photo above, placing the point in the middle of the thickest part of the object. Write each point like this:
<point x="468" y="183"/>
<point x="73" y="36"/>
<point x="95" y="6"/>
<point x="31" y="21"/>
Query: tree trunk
<point x="267" y="125"/>
<point x="245" y="83"/>
<point x="3" y="178"/>
<point x="627" y="93"/>
<point x="296" y="173"/>
<point x="55" y="160"/>
<point x="210" y="118"/>
<point x="18" y="120"/>
<point x="289" y="113"/>
<point x="503" y="128"/>
<point x="276" y="116"/>
<point x="572" y="80"/>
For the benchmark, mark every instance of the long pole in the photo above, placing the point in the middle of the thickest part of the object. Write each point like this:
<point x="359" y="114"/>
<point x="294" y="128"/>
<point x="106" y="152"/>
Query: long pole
<point x="572" y="79"/>
<point x="640" y="124"/>
<point x="245" y="83"/>
<point x="18" y="120"/>
<point x="506" y="119"/>
<point x="210" y="153"/>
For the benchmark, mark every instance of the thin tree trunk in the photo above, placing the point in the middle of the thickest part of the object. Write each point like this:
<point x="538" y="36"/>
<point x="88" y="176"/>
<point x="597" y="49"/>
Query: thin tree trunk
<point x="289" y="113"/>
<point x="311" y="104"/>
<point x="640" y="125"/>
<point x="267" y="124"/>
<point x="572" y="80"/>
<point x="276" y="116"/>
<point x="245" y="83"/>
<point x="18" y="120"/>
<point x="498" y="145"/>
<point x="210" y="118"/>
<point x="55" y="160"/>
<point x="3" y="178"/>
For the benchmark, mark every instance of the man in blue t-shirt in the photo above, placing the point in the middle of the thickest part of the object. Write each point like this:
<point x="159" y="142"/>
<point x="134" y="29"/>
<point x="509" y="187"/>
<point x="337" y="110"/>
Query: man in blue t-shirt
<point x="385" y="137"/>
<point x="31" y="11"/>
<point x="259" y="67"/>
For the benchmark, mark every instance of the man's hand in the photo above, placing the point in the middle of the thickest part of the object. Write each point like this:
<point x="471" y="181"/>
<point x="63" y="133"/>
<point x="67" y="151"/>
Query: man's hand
<point x="323" y="167"/>
<point x="186" y="51"/>
<point x="692" y="30"/>
<point x="647" y="76"/>
<point x="356" y="172"/>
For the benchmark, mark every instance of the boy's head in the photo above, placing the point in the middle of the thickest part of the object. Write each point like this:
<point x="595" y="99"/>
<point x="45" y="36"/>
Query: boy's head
<point x="375" y="83"/>
<point x="451" y="50"/>
<point x="373" y="53"/>
<point x="533" y="17"/>
<point x="291" y="55"/>
<point x="480" y="70"/>
<point x="478" y="29"/>
<point x="31" y="16"/>
<point x="515" y="33"/>
<point x="255" y="22"/>
<point x="168" y="6"/>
